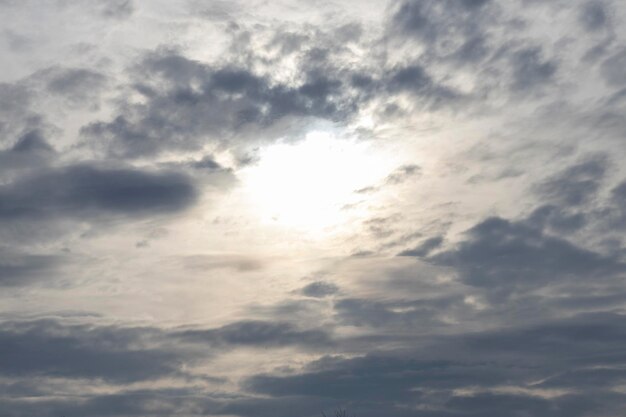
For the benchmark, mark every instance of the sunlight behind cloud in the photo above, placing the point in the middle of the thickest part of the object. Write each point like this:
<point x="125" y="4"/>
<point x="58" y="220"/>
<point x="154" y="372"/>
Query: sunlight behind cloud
<point x="305" y="185"/>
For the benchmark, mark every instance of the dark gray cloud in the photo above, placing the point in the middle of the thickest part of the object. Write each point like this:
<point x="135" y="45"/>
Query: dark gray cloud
<point x="53" y="349"/>
<point x="16" y="114"/>
<point x="503" y="255"/>
<point x="437" y="23"/>
<point x="30" y="149"/>
<point x="593" y="15"/>
<point x="573" y="338"/>
<point x="77" y="85"/>
<point x="611" y="69"/>
<point x="590" y="379"/>
<point x="492" y="405"/>
<point x="320" y="289"/>
<point x="562" y="354"/>
<point x="576" y="185"/>
<point x="393" y="315"/>
<point x="189" y="101"/>
<point x="461" y="34"/>
<point x="156" y="402"/>
<point x="257" y="333"/>
<point x="530" y="69"/>
<point x="207" y="163"/>
<point x="430" y="376"/>
<point x="48" y="349"/>
<point x="117" y="8"/>
<point x="614" y="213"/>
<point x="376" y="384"/>
<point x="20" y="269"/>
<point x="373" y="378"/>
<point x="579" y="197"/>
<point x="424" y="248"/>
<point x="414" y="79"/>
<point x="87" y="190"/>
<point x="31" y="142"/>
<point x="551" y="217"/>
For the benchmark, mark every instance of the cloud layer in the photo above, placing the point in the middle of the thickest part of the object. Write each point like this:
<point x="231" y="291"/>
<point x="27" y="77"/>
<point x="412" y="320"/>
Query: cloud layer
<point x="477" y="269"/>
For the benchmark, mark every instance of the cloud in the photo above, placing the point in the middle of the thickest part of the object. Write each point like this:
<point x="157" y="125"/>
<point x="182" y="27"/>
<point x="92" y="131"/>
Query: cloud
<point x="83" y="190"/>
<point x="464" y="39"/>
<point x="392" y="315"/>
<point x="21" y="269"/>
<point x="402" y="173"/>
<point x="398" y="176"/>
<point x="613" y="214"/>
<point x="255" y="333"/>
<point x="128" y="402"/>
<point x="77" y="85"/>
<point x="424" y="248"/>
<point x="498" y="368"/>
<point x="210" y="262"/>
<point x="16" y="114"/>
<point x="47" y="349"/>
<point x="124" y="354"/>
<point x="561" y="220"/>
<point x="371" y="384"/>
<point x="31" y="149"/>
<point x="414" y="80"/>
<point x="189" y="101"/>
<point x="117" y="9"/>
<point x="503" y="255"/>
<point x="610" y="69"/>
<point x="434" y="23"/>
<point x="186" y="104"/>
<point x="120" y="119"/>
<point x="593" y="16"/>
<point x="320" y="289"/>
<point x="491" y="405"/>
<point x="576" y="185"/>
<point x="530" y="69"/>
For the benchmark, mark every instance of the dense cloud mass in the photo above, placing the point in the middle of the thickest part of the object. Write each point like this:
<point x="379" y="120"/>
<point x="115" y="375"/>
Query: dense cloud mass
<point x="86" y="190"/>
<point x="410" y="208"/>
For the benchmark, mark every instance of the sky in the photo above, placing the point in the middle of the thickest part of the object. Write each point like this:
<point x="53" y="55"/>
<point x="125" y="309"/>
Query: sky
<point x="405" y="208"/>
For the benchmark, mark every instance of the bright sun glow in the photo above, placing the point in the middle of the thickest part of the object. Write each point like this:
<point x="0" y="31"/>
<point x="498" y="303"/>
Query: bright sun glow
<point x="308" y="184"/>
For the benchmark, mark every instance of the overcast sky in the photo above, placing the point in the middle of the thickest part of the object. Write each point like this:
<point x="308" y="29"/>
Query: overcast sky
<point x="276" y="208"/>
